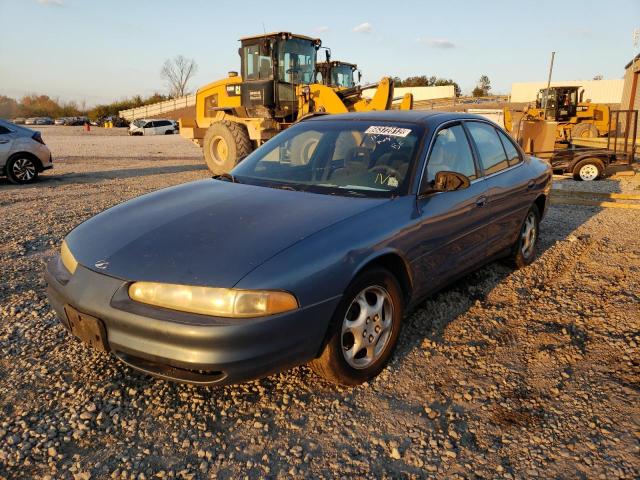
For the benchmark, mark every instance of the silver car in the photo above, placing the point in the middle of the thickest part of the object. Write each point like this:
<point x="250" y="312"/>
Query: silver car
<point x="23" y="154"/>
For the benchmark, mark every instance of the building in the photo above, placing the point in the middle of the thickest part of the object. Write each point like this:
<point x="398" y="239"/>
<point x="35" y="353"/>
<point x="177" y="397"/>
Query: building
<point x="598" y="91"/>
<point x="631" y="90"/>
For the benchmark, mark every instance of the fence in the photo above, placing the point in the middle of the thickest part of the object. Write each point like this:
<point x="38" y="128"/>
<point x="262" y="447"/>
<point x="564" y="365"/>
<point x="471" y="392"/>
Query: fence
<point x="158" y="108"/>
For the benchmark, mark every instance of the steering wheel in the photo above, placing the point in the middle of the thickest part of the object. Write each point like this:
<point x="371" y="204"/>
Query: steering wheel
<point x="387" y="170"/>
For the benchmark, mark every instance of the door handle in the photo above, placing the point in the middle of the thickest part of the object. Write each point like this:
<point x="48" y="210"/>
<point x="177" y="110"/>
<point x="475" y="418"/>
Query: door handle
<point x="481" y="201"/>
<point x="531" y="184"/>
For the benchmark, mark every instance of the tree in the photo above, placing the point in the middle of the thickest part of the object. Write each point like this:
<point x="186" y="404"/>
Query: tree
<point x="177" y="72"/>
<point x="8" y="107"/>
<point x="483" y="87"/>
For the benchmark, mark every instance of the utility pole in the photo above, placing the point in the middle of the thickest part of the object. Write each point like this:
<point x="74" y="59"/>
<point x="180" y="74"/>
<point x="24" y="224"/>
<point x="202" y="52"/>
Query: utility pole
<point x="546" y="97"/>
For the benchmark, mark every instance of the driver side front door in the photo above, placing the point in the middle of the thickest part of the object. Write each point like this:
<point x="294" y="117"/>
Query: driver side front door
<point x="452" y="228"/>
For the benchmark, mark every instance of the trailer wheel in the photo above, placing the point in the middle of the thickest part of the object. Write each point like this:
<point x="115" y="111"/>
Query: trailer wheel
<point x="584" y="130"/>
<point x="588" y="169"/>
<point x="224" y="143"/>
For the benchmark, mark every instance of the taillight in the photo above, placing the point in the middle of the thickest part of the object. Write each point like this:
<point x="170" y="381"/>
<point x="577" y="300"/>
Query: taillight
<point x="38" y="138"/>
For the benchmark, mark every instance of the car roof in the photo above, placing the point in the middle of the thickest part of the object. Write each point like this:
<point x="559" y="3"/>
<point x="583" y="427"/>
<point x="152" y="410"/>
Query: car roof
<point x="425" y="117"/>
<point x="16" y="128"/>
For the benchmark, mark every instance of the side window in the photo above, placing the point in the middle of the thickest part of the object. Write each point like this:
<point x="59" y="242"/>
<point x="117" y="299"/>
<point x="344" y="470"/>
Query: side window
<point x="451" y="152"/>
<point x="150" y="125"/>
<point x="513" y="155"/>
<point x="164" y="123"/>
<point x="492" y="154"/>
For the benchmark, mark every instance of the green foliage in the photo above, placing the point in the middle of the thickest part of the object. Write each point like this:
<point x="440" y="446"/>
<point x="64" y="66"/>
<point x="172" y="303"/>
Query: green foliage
<point x="424" y="81"/>
<point x="44" y="106"/>
<point x="483" y="87"/>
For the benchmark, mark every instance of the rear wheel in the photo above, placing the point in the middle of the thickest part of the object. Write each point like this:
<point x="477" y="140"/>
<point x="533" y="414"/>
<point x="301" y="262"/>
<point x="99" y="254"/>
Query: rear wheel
<point x="584" y="130"/>
<point x="588" y="170"/>
<point x="224" y="144"/>
<point x="524" y="250"/>
<point x="22" y="169"/>
<point x="363" y="331"/>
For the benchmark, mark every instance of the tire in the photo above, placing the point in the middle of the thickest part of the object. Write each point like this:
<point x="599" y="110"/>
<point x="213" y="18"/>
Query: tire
<point x="21" y="169"/>
<point x="224" y="144"/>
<point x="340" y="363"/>
<point x="523" y="252"/>
<point x="584" y="130"/>
<point x="588" y="170"/>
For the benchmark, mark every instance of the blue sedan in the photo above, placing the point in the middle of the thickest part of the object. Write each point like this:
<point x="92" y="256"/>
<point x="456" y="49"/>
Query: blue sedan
<point x="312" y="250"/>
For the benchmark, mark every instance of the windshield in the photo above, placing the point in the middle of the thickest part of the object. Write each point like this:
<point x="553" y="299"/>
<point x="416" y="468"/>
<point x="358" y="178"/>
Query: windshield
<point x="138" y="123"/>
<point x="296" y="61"/>
<point x="342" y="76"/>
<point x="364" y="158"/>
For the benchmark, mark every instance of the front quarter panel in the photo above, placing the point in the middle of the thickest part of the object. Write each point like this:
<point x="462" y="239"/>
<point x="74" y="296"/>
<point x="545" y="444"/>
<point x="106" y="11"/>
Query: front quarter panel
<point x="321" y="267"/>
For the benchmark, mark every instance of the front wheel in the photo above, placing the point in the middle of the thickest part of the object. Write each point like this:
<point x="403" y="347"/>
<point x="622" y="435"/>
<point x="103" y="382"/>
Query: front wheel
<point x="225" y="143"/>
<point x="22" y="169"/>
<point x="363" y="331"/>
<point x="524" y="250"/>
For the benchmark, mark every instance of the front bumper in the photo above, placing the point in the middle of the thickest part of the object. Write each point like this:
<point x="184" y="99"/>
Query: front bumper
<point x="187" y="347"/>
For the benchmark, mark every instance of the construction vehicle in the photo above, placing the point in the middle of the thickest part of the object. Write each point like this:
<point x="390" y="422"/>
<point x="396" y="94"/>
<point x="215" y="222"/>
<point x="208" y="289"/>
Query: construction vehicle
<point x="564" y="105"/>
<point x="338" y="74"/>
<point x="276" y="88"/>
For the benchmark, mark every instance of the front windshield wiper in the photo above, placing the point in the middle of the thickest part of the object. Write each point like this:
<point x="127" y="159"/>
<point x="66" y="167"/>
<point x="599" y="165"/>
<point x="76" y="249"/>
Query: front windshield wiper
<point x="226" y="177"/>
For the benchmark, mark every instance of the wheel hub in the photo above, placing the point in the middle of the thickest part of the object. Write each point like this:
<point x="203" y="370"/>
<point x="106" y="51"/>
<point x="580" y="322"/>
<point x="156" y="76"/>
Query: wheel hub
<point x="529" y="234"/>
<point x="23" y="169"/>
<point x="219" y="149"/>
<point x="367" y="326"/>
<point x="588" y="172"/>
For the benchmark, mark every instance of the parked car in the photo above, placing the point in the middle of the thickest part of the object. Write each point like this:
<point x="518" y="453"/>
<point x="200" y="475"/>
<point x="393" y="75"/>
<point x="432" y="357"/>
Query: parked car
<point x="23" y="153"/>
<point x="18" y="120"/>
<point x="152" y="127"/>
<point x="43" y="121"/>
<point x="30" y="121"/>
<point x="61" y="121"/>
<point x="312" y="250"/>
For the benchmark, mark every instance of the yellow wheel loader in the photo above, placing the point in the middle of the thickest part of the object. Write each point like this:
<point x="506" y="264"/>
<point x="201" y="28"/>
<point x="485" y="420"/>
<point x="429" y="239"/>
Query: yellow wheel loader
<point x="564" y="104"/>
<point x="277" y="88"/>
<point x="338" y="74"/>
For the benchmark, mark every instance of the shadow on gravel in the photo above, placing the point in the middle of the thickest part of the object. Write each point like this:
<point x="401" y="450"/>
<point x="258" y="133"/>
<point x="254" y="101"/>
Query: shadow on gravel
<point x="99" y="176"/>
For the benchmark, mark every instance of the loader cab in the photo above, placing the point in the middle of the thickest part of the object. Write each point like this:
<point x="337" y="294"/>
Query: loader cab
<point x="561" y="102"/>
<point x="338" y="74"/>
<point x="272" y="66"/>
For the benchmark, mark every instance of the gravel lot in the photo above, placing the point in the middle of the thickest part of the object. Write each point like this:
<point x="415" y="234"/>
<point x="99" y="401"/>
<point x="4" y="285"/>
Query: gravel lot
<point x="534" y="373"/>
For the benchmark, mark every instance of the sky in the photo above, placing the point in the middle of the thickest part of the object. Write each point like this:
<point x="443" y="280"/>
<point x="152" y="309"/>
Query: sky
<point x="97" y="51"/>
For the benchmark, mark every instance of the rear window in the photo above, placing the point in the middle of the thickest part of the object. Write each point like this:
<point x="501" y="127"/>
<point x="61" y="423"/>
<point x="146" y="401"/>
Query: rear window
<point x="513" y="155"/>
<point x="489" y="146"/>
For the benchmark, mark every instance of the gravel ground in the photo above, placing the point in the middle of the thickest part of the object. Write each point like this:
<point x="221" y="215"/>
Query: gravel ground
<point x="524" y="374"/>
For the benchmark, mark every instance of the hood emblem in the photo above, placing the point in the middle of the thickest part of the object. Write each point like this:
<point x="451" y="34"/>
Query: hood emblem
<point x="101" y="264"/>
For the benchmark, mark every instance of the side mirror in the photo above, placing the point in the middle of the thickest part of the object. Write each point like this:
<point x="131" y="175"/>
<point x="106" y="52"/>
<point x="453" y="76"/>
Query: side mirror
<point x="327" y="55"/>
<point x="359" y="76"/>
<point x="447" y="182"/>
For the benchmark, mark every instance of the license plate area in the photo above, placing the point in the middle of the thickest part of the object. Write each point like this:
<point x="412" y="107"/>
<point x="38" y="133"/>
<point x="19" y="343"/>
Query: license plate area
<point x="87" y="328"/>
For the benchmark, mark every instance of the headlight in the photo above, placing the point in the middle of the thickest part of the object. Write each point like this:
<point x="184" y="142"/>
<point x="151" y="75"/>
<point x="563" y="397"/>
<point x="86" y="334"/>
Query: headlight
<point x="66" y="256"/>
<point x="219" y="302"/>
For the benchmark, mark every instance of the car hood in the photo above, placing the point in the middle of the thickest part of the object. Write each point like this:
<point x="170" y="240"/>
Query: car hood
<point x="208" y="232"/>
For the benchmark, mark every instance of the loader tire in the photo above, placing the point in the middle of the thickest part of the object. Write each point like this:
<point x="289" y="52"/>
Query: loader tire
<point x="225" y="143"/>
<point x="584" y="130"/>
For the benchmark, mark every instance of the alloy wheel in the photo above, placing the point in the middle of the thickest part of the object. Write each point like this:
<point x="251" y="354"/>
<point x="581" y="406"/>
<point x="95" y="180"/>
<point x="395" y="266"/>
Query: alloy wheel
<point x="23" y="169"/>
<point x="367" y="326"/>
<point x="529" y="235"/>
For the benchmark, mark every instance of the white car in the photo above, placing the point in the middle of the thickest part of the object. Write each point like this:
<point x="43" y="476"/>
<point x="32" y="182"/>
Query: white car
<point x="23" y="154"/>
<point x="152" y="127"/>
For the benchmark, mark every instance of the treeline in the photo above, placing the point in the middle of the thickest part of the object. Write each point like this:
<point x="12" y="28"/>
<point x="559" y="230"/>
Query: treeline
<point x="424" y="81"/>
<point x="45" y="106"/>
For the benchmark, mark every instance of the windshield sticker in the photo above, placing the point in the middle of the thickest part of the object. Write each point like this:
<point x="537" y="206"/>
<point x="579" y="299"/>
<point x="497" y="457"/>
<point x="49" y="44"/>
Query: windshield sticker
<point x="391" y="131"/>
